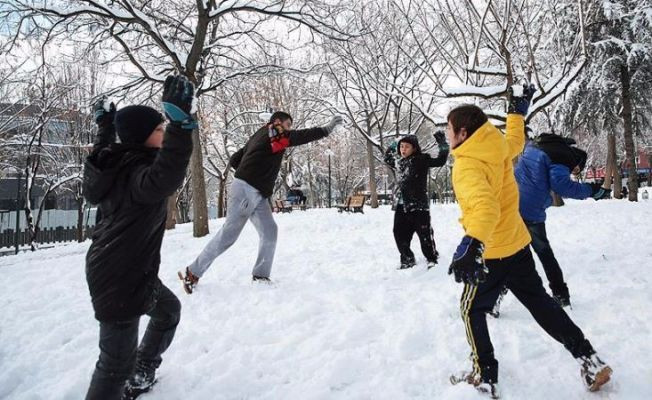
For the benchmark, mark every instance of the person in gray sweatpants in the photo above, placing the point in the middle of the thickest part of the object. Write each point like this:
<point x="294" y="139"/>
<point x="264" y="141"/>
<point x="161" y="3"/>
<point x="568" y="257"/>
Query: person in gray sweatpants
<point x="256" y="168"/>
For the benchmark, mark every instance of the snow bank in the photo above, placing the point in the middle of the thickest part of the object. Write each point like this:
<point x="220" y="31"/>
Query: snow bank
<point x="341" y="322"/>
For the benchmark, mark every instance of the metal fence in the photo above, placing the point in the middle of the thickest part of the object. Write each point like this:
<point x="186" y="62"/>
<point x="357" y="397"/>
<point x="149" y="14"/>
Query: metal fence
<point x="55" y="226"/>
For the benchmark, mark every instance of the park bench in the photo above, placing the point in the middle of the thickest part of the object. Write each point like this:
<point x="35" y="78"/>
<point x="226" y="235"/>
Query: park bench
<point x="282" y="206"/>
<point x="354" y="204"/>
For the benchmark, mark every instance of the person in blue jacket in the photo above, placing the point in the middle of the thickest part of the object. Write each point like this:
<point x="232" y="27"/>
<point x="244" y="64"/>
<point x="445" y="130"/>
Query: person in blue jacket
<point x="546" y="165"/>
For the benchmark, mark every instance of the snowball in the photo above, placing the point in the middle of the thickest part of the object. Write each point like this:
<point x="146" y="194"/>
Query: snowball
<point x="517" y="90"/>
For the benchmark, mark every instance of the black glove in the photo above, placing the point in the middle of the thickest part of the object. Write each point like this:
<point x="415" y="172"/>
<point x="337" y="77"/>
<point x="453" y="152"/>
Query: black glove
<point x="440" y="138"/>
<point x="103" y="116"/>
<point x="468" y="263"/>
<point x="598" y="192"/>
<point x="520" y="104"/>
<point x="178" y="94"/>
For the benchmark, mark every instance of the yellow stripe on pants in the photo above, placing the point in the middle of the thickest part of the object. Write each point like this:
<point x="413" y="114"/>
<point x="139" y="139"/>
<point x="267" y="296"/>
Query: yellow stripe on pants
<point x="465" y="306"/>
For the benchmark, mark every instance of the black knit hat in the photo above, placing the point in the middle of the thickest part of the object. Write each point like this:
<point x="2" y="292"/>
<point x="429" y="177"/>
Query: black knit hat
<point x="134" y="124"/>
<point x="413" y="140"/>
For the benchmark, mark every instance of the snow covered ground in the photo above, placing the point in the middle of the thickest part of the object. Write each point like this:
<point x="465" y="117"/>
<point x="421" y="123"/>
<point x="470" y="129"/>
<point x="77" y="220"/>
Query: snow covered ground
<point x="341" y="322"/>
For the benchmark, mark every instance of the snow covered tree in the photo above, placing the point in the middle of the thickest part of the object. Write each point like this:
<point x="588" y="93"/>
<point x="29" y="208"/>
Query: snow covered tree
<point x="615" y="92"/>
<point x="209" y="42"/>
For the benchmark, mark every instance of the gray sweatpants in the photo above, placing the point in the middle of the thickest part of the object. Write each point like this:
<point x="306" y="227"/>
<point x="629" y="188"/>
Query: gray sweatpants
<point x="245" y="203"/>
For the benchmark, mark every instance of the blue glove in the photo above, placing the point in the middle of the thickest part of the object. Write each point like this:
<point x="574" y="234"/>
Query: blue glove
<point x="103" y="117"/>
<point x="178" y="94"/>
<point x="520" y="104"/>
<point x="598" y="192"/>
<point x="393" y="146"/>
<point x="468" y="263"/>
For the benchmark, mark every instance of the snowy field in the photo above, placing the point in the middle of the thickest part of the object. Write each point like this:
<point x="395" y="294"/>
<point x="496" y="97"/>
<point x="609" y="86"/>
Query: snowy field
<point x="341" y="322"/>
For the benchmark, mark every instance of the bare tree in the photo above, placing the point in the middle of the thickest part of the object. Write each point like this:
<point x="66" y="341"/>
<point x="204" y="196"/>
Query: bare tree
<point x="202" y="40"/>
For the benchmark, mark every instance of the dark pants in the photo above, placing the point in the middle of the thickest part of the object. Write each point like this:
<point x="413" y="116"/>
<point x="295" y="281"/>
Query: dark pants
<point x="405" y="225"/>
<point x="518" y="273"/>
<point x="118" y="352"/>
<point x="551" y="267"/>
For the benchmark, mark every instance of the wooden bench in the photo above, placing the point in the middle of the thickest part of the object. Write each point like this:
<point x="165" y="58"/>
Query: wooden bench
<point x="282" y="206"/>
<point x="343" y="207"/>
<point x="357" y="204"/>
<point x="354" y="204"/>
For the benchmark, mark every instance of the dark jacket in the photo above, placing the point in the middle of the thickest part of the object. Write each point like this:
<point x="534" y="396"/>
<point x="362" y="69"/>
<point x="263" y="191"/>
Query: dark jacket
<point x="411" y="188"/>
<point x="544" y="166"/>
<point x="131" y="184"/>
<point x="259" y="161"/>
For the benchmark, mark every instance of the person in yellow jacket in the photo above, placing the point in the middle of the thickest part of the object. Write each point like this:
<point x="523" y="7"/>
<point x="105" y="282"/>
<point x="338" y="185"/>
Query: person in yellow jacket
<point x="495" y="250"/>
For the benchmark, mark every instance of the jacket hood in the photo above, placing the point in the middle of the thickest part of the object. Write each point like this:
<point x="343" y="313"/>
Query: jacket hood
<point x="101" y="167"/>
<point x="487" y="144"/>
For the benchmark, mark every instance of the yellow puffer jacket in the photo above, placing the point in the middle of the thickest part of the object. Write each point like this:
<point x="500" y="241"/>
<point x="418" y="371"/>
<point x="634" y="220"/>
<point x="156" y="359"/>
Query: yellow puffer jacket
<point x="484" y="184"/>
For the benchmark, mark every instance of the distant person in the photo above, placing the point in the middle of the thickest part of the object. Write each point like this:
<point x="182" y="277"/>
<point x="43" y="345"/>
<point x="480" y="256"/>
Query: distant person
<point x="411" y="206"/>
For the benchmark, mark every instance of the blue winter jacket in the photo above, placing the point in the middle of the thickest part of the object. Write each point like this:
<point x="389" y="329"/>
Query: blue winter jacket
<point x="536" y="176"/>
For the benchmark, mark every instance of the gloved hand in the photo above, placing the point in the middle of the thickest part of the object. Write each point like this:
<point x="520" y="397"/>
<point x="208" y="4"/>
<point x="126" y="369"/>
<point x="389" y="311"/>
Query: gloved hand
<point x="520" y="104"/>
<point x="599" y="192"/>
<point x="468" y="264"/>
<point x="440" y="138"/>
<point x="393" y="146"/>
<point x="335" y="121"/>
<point x="178" y="94"/>
<point x="103" y="113"/>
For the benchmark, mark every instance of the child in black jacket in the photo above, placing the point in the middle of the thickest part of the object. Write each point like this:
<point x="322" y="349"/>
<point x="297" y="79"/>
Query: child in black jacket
<point x="411" y="196"/>
<point x="131" y="182"/>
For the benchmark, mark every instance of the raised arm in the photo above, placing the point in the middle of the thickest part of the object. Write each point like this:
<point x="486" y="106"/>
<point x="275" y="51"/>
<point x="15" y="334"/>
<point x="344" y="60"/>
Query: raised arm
<point x="518" y="105"/>
<point x="303" y="136"/>
<point x="165" y="175"/>
<point x="104" y="115"/>
<point x="442" y="156"/>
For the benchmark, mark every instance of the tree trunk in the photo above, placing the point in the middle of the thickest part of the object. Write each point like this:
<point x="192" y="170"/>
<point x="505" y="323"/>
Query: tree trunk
<point x="649" y="169"/>
<point x="630" y="152"/>
<point x="372" y="175"/>
<point x="80" y="219"/>
<point x="221" y="195"/>
<point x="199" y="207"/>
<point x="610" y="170"/>
<point x="171" y="220"/>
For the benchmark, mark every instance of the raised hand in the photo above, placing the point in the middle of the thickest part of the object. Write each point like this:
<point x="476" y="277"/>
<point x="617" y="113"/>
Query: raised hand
<point x="178" y="95"/>
<point x="104" y="112"/>
<point x="519" y="103"/>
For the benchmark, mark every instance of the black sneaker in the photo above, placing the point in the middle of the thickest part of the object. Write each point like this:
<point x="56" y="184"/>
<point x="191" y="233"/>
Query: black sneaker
<point x="407" y="264"/>
<point x="261" y="279"/>
<point x="473" y="379"/>
<point x="141" y="382"/>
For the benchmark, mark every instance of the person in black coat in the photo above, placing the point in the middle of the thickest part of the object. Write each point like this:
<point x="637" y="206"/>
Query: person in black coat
<point x="131" y="181"/>
<point x="256" y="166"/>
<point x="412" y="210"/>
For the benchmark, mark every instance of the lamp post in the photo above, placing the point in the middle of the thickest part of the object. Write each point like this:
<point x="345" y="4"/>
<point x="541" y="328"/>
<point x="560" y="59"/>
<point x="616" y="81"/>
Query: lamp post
<point x="20" y="175"/>
<point x="329" y="153"/>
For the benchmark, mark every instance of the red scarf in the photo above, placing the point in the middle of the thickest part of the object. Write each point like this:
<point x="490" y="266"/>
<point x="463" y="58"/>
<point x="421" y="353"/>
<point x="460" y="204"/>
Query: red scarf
<point x="279" y="139"/>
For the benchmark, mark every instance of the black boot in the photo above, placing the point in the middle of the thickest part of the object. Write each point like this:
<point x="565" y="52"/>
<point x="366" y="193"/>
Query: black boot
<point x="141" y="381"/>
